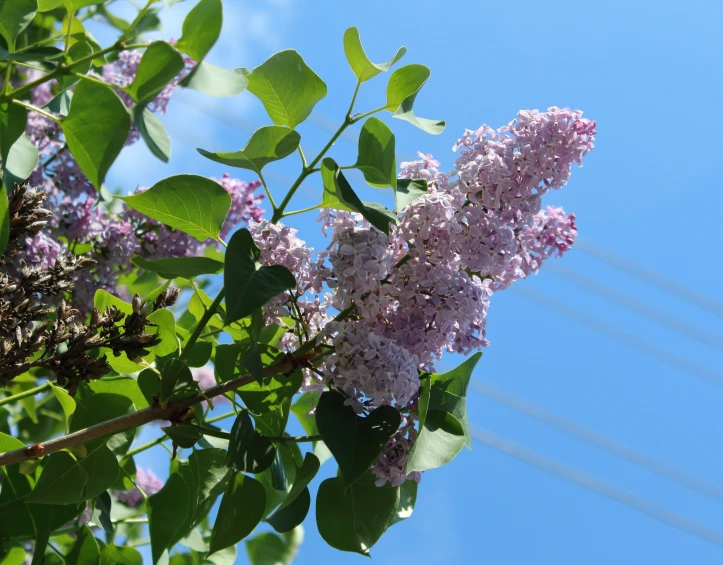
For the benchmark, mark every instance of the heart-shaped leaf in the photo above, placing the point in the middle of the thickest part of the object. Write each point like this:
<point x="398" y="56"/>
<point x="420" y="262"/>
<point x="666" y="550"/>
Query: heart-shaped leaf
<point x="267" y="144"/>
<point x="363" y="68"/>
<point x="158" y="66"/>
<point x="193" y="204"/>
<point x="184" y="267"/>
<point x="377" y="159"/>
<point x="249" y="285"/>
<point x="242" y="508"/>
<point x="353" y="519"/>
<point x="287" y="88"/>
<point x="96" y="129"/>
<point x="339" y="194"/>
<point x="439" y="441"/>
<point x="355" y="441"/>
<point x="404" y="85"/>
<point x="201" y="29"/>
<point x="408" y="190"/>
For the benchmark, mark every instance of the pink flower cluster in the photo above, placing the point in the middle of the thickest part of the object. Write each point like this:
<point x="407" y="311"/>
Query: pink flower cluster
<point x="425" y="289"/>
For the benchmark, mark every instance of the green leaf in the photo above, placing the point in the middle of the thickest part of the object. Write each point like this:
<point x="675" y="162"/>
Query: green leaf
<point x="200" y="354"/>
<point x="287" y="88"/>
<point x="209" y="469"/>
<point x="449" y="393"/>
<point x="168" y="511"/>
<point x="338" y="194"/>
<point x="85" y="550"/>
<point x="47" y="5"/>
<point x="15" y="15"/>
<point x="354" y="518"/>
<point x="377" y="159"/>
<point x="355" y="441"/>
<point x="363" y="68"/>
<point x="114" y="555"/>
<point x="407" y="500"/>
<point x="304" y="475"/>
<point x="153" y="133"/>
<point x="438" y="442"/>
<point x="9" y="443"/>
<point x="60" y="104"/>
<point x="95" y="129"/>
<point x="12" y="125"/>
<point x="62" y="481"/>
<point x="13" y="556"/>
<point x="185" y="267"/>
<point x="407" y="191"/>
<point x="183" y="435"/>
<point x="251" y="361"/>
<point x="102" y="469"/>
<point x="267" y="144"/>
<point x="93" y="409"/>
<point x="249" y="285"/>
<point x="215" y="81"/>
<point x="286" y="518"/>
<point x="247" y="449"/>
<point x="404" y="85"/>
<point x="302" y="409"/>
<point x="123" y="386"/>
<point x="165" y="328"/>
<point x="177" y="381"/>
<point x="159" y="65"/>
<point x="270" y="401"/>
<point x="66" y="402"/>
<point x="201" y="29"/>
<point x="21" y="162"/>
<point x="242" y="508"/>
<point x="193" y="204"/>
<point x="101" y="512"/>
<point x="271" y="549"/>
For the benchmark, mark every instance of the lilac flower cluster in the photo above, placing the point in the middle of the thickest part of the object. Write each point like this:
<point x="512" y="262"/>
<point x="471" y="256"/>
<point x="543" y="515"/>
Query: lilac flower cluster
<point x="147" y="482"/>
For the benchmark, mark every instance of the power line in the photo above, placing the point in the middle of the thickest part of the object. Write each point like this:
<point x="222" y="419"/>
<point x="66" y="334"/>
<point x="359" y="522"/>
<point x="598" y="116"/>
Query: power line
<point x="663" y="282"/>
<point x="644" y="346"/>
<point x="596" y="485"/>
<point x="658" y="315"/>
<point x="601" y="442"/>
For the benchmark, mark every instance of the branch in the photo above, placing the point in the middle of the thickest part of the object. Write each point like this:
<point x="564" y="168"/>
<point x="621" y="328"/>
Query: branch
<point x="135" y="419"/>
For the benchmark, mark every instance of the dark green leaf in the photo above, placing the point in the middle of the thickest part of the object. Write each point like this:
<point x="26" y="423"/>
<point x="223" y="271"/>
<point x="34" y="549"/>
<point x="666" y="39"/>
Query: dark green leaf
<point x="377" y="159"/>
<point x="251" y="360"/>
<point x="271" y="549"/>
<point x="15" y="15"/>
<point x="185" y="267"/>
<point x="42" y="523"/>
<point x="353" y="519"/>
<point x="114" y="555"/>
<point x="62" y="481"/>
<point x="448" y="392"/>
<point x="363" y="68"/>
<point x="190" y="203"/>
<point x="159" y="65"/>
<point x="249" y="285"/>
<point x="288" y="517"/>
<point x="438" y="442"/>
<point x="212" y="475"/>
<point x="201" y="29"/>
<point x="302" y="409"/>
<point x="37" y="54"/>
<point x="304" y="476"/>
<point x="124" y="386"/>
<point x="338" y="194"/>
<point x="153" y="133"/>
<point x="215" y="81"/>
<point x="93" y="409"/>
<point x="176" y="381"/>
<point x="407" y="191"/>
<point x="96" y="129"/>
<point x="102" y="469"/>
<point x="402" y="90"/>
<point x="242" y="507"/>
<point x="101" y="513"/>
<point x="287" y="88"/>
<point x="355" y="441"/>
<point x="168" y="511"/>
<point x="247" y="449"/>
<point x="183" y="435"/>
<point x="12" y="126"/>
<point x="85" y="550"/>
<point x="267" y="144"/>
<point x="407" y="500"/>
<point x="270" y="401"/>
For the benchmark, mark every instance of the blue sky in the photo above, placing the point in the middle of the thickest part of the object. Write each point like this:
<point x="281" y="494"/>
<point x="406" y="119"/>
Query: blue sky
<point x="650" y="73"/>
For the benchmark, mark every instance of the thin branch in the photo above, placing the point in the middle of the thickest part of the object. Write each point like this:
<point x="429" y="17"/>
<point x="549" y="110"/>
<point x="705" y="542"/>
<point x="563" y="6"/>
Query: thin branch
<point x="295" y="439"/>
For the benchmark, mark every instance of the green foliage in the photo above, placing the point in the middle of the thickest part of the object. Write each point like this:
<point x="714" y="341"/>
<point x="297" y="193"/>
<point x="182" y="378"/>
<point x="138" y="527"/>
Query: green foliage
<point x="287" y="88"/>
<point x="185" y="267"/>
<point x="177" y="381"/>
<point x="95" y="129"/>
<point x="248" y="450"/>
<point x="62" y="481"/>
<point x="15" y="15"/>
<point x="153" y="133"/>
<point x="85" y="550"/>
<point x="270" y="549"/>
<point x="168" y="511"/>
<point x="354" y="440"/>
<point x="159" y="65"/>
<point x="404" y="85"/>
<point x="363" y="68"/>
<point x="190" y="203"/>
<point x="377" y="156"/>
<point x="267" y="144"/>
<point x="248" y="284"/>
<point x="215" y="81"/>
<point x="201" y="29"/>
<point x="242" y="507"/>
<point x="408" y="190"/>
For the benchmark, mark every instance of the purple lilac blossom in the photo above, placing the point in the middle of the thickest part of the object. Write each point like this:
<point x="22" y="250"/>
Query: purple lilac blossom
<point x="391" y="465"/>
<point x="147" y="482"/>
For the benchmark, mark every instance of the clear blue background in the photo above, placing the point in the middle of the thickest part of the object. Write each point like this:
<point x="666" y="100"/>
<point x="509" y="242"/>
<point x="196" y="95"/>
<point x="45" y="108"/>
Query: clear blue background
<point x="650" y="74"/>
